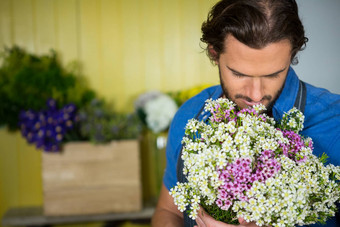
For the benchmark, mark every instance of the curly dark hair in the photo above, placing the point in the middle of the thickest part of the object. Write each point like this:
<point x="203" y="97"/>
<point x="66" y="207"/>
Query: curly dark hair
<point x="255" y="23"/>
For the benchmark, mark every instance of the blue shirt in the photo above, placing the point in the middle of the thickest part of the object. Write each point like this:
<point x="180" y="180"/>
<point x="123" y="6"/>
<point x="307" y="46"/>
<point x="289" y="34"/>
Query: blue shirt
<point x="322" y="122"/>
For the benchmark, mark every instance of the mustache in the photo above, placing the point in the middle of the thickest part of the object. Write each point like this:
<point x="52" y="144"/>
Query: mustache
<point x="266" y="97"/>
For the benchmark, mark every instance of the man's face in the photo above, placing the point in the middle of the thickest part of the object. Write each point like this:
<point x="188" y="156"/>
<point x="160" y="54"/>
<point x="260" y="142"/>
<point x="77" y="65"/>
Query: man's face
<point x="253" y="76"/>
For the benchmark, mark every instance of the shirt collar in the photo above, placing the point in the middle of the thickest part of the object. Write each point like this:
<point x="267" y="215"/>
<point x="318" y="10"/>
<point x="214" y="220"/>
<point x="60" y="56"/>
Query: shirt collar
<point x="288" y="95"/>
<point x="216" y="93"/>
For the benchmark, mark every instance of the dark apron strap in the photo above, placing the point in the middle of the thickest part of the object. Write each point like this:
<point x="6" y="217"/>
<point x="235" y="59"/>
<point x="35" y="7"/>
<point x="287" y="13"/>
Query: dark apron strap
<point x="300" y="100"/>
<point x="300" y="103"/>
<point x="188" y="222"/>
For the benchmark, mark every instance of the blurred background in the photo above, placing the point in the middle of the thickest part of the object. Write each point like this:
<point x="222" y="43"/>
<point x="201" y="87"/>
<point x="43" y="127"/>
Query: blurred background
<point x="128" y="47"/>
<point x="317" y="63"/>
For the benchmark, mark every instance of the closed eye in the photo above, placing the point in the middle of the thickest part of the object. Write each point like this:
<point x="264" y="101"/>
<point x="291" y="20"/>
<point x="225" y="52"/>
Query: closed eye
<point x="239" y="75"/>
<point x="271" y="76"/>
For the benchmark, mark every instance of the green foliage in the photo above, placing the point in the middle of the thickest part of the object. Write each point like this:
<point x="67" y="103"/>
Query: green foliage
<point x="100" y="124"/>
<point x="27" y="81"/>
<point x="323" y="158"/>
<point x="221" y="215"/>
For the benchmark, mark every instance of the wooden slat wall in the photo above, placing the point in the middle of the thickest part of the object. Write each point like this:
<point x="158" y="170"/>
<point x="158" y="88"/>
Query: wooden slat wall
<point x="125" y="47"/>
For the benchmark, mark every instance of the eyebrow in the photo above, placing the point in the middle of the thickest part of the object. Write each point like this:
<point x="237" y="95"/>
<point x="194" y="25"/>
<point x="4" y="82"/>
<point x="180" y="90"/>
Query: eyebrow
<point x="268" y="75"/>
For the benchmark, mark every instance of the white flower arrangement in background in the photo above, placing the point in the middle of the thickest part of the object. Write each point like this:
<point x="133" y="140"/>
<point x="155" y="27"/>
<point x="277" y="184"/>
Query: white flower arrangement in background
<point x="156" y="110"/>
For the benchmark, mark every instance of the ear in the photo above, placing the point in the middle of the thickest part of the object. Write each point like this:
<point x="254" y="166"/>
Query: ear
<point x="213" y="54"/>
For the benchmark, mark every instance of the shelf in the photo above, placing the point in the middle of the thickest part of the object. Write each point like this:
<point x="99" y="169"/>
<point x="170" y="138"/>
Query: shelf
<point x="33" y="216"/>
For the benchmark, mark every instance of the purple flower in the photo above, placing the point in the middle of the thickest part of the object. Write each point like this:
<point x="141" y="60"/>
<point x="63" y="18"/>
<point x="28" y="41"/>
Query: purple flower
<point x="219" y="202"/>
<point x="227" y="204"/>
<point x="46" y="128"/>
<point x="295" y="145"/>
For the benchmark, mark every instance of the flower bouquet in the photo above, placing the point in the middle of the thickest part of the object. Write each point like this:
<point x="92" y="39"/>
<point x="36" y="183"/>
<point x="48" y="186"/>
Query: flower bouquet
<point x="241" y="163"/>
<point x="50" y="128"/>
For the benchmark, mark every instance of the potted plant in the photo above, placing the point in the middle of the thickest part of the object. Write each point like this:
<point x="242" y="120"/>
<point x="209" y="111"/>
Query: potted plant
<point x="156" y="110"/>
<point x="91" y="152"/>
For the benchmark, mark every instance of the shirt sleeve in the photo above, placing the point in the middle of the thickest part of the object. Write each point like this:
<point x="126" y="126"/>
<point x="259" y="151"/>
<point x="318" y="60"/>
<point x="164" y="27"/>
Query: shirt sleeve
<point x="173" y="149"/>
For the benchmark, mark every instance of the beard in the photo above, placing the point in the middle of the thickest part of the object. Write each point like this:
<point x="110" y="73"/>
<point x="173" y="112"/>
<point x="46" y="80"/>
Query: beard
<point x="270" y="98"/>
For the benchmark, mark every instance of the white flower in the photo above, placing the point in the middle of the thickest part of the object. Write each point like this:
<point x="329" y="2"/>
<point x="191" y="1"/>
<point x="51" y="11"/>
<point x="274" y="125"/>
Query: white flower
<point x="146" y="97"/>
<point x="292" y="123"/>
<point x="195" y="199"/>
<point x="259" y="108"/>
<point x="159" y="112"/>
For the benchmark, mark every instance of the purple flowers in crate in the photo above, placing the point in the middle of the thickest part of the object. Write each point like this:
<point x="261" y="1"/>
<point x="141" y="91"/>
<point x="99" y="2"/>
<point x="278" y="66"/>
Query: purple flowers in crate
<point x="46" y="128"/>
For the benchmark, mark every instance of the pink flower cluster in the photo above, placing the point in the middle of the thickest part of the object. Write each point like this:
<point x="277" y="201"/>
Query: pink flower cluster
<point x="252" y="112"/>
<point x="294" y="147"/>
<point x="249" y="111"/>
<point x="267" y="166"/>
<point x="219" y="116"/>
<point x="238" y="177"/>
<point x="231" y="115"/>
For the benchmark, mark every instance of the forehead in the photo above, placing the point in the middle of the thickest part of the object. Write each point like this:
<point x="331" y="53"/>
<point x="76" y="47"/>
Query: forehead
<point x="252" y="61"/>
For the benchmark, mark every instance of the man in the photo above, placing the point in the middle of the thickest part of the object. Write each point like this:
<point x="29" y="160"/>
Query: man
<point x="253" y="43"/>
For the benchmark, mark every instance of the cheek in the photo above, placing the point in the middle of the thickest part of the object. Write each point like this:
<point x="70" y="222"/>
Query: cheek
<point x="237" y="85"/>
<point x="273" y="86"/>
<point x="232" y="83"/>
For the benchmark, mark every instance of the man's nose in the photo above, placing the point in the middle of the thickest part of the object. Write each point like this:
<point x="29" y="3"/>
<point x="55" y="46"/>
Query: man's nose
<point x="256" y="90"/>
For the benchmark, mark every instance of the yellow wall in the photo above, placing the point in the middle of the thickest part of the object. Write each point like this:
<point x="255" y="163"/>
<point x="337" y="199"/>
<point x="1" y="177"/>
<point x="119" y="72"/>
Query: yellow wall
<point x="126" y="47"/>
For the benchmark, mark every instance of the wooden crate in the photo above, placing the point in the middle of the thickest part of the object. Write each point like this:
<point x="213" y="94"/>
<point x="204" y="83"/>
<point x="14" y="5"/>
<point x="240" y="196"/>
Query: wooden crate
<point x="92" y="179"/>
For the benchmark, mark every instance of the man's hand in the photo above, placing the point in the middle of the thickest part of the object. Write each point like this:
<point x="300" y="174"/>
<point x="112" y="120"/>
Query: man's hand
<point x="205" y="220"/>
